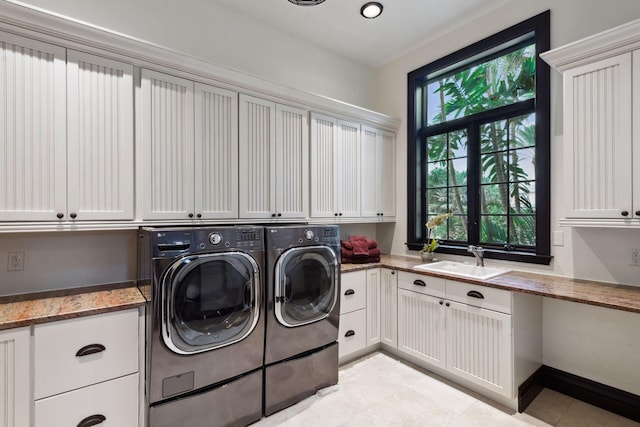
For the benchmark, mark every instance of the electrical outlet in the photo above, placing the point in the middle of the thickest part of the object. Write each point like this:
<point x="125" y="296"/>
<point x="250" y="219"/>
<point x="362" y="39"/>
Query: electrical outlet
<point x="16" y="261"/>
<point x="635" y="257"/>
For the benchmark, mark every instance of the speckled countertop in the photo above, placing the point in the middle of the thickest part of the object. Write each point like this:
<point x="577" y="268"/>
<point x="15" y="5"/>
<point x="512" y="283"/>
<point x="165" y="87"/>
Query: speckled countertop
<point x="619" y="297"/>
<point x="42" y="307"/>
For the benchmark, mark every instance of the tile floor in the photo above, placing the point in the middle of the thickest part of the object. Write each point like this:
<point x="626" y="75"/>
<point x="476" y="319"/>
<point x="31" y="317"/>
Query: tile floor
<point x="380" y="390"/>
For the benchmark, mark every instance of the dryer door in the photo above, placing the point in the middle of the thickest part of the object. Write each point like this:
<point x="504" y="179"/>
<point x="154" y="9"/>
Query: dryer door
<point x="209" y="301"/>
<point x="306" y="285"/>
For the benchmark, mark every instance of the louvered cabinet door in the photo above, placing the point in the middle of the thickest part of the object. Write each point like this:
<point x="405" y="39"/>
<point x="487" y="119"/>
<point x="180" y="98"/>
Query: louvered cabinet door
<point x="597" y="110"/>
<point x="257" y="158"/>
<point x="15" y="372"/>
<point x="636" y="133"/>
<point x="421" y="327"/>
<point x="373" y="306"/>
<point x="389" y="307"/>
<point x="32" y="130"/>
<point x="479" y="345"/>
<point x="348" y="167"/>
<point x="216" y="151"/>
<point x="386" y="179"/>
<point x="167" y="147"/>
<point x="292" y="162"/>
<point x="100" y="138"/>
<point x="370" y="173"/>
<point x="324" y="134"/>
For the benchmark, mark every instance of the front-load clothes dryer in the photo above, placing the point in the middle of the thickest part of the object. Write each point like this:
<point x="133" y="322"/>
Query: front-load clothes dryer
<point x="302" y="315"/>
<point x="204" y="324"/>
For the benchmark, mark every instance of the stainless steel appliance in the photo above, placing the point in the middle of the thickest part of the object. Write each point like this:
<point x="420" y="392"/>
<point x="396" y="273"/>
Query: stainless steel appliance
<point x="303" y="283"/>
<point x="204" y="324"/>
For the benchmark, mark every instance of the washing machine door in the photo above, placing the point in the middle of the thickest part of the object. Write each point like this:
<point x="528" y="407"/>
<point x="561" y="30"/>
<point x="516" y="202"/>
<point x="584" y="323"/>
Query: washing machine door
<point x="306" y="285"/>
<point x="209" y="301"/>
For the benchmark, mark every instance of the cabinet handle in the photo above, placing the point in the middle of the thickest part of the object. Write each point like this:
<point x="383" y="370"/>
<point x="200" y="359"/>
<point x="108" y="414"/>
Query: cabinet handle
<point x="624" y="213"/>
<point x="60" y="215"/>
<point x="92" y="420"/>
<point x="73" y="215"/>
<point x="419" y="283"/>
<point x="350" y="292"/>
<point x="90" y="349"/>
<point x="349" y="333"/>
<point x="475" y="294"/>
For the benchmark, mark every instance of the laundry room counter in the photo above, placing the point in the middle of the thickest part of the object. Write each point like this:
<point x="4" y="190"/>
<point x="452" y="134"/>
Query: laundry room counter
<point x="42" y="307"/>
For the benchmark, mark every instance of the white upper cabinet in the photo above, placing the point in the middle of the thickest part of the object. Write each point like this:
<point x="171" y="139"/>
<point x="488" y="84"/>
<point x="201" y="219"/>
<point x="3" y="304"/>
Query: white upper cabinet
<point x="273" y="172"/>
<point x="601" y="80"/>
<point x="378" y="174"/>
<point x="335" y="168"/>
<point x="216" y="151"/>
<point x="100" y="138"/>
<point x="33" y="136"/>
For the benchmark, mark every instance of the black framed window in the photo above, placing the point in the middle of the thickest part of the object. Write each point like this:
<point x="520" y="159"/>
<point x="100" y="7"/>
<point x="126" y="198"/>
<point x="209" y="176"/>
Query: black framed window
<point x="478" y="146"/>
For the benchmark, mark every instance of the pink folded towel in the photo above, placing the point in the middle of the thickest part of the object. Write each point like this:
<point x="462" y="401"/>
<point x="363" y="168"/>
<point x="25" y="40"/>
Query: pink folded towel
<point x="360" y="245"/>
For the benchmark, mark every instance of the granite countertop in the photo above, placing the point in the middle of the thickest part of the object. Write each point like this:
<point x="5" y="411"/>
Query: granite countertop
<point x="619" y="297"/>
<point x="42" y="307"/>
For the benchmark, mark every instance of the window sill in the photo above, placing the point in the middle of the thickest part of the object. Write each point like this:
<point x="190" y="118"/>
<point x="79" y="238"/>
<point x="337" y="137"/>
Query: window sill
<point x="515" y="256"/>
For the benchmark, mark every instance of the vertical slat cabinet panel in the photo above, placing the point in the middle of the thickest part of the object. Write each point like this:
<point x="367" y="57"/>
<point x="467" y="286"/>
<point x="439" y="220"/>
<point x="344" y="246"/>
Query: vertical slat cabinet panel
<point x="421" y="330"/>
<point x="216" y="152"/>
<point x="15" y="399"/>
<point x="373" y="306"/>
<point x="598" y="143"/>
<point x="324" y="135"/>
<point x="386" y="165"/>
<point x="292" y="162"/>
<point x="479" y="346"/>
<point x="370" y="173"/>
<point x="100" y="138"/>
<point x="167" y="146"/>
<point x="389" y="307"/>
<point x="33" y="125"/>
<point x="257" y="157"/>
<point x="636" y="133"/>
<point x="348" y="167"/>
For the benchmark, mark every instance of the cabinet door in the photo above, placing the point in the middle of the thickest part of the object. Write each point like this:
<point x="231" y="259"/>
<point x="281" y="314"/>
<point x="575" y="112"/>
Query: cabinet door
<point x="15" y="407"/>
<point x="479" y="346"/>
<point x="636" y="133"/>
<point x="292" y="162"/>
<point x="347" y="161"/>
<point x="216" y="152"/>
<point x="324" y="134"/>
<point x="421" y="327"/>
<point x="100" y="138"/>
<point x="386" y="165"/>
<point x="389" y="307"/>
<point x="167" y="147"/>
<point x="370" y="173"/>
<point x="597" y="113"/>
<point x="373" y="306"/>
<point x="257" y="157"/>
<point x="32" y="130"/>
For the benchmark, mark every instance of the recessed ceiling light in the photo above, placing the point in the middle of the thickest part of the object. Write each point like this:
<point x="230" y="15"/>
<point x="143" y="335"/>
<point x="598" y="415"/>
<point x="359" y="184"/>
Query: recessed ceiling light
<point x="370" y="10"/>
<point x="306" y="2"/>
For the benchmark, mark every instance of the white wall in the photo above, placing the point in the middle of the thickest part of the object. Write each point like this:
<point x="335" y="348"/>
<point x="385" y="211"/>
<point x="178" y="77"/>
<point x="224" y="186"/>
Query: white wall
<point x="575" y="339"/>
<point x="206" y="30"/>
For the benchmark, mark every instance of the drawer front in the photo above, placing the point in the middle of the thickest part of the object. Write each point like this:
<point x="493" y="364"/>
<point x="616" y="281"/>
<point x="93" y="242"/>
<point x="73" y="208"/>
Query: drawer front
<point x="352" y="335"/>
<point x="479" y="296"/>
<point x="353" y="294"/>
<point x="421" y="283"/>
<point x="111" y="341"/>
<point x="115" y="400"/>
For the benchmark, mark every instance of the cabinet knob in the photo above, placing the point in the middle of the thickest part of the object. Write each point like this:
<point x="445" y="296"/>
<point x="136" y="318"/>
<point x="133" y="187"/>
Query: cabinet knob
<point x="199" y="215"/>
<point x="190" y="215"/>
<point x="335" y="214"/>
<point x="624" y="213"/>
<point x="340" y="214"/>
<point x="393" y="272"/>
<point x="273" y="215"/>
<point x="73" y="215"/>
<point x="381" y="213"/>
<point x="60" y="215"/>
<point x="637" y="213"/>
<point x="448" y="304"/>
<point x="441" y="302"/>
<point x="279" y="214"/>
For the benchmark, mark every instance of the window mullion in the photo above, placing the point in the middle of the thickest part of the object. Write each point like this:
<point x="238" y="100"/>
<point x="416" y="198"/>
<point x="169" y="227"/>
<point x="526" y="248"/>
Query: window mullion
<point x="473" y="183"/>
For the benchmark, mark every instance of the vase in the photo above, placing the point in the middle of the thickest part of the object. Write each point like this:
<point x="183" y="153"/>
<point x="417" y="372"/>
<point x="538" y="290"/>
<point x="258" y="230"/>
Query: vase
<point x="427" y="256"/>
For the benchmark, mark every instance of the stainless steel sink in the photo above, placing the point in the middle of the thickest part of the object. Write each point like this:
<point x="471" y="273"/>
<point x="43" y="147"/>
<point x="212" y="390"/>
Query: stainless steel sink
<point x="462" y="269"/>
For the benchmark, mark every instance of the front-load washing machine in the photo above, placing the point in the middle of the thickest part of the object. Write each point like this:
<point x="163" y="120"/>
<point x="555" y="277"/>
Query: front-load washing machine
<point x="204" y="324"/>
<point x="302" y="316"/>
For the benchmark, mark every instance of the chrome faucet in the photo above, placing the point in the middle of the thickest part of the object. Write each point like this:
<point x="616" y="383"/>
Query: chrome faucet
<point x="478" y="252"/>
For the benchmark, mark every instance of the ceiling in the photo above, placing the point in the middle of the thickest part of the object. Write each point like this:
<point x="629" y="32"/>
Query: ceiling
<point x="337" y="25"/>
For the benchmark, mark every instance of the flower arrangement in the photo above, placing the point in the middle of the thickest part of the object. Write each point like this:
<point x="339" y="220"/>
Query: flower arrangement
<point x="432" y="244"/>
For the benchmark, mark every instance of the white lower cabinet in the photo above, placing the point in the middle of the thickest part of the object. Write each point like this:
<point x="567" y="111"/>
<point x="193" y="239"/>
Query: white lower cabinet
<point x="15" y="377"/>
<point x="352" y="333"/>
<point x="388" y="307"/>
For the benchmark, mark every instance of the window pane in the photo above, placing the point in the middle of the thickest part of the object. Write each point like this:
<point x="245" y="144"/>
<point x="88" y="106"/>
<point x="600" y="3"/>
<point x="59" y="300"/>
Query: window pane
<point x="523" y="198"/>
<point x="501" y="81"/>
<point x="494" y="136"/>
<point x="495" y="198"/>
<point x="522" y="131"/>
<point x="457" y="143"/>
<point x="457" y="200"/>
<point x="493" y="229"/>
<point x="458" y="228"/>
<point x="437" y="200"/>
<point x="458" y="171"/>
<point x="494" y="167"/>
<point x="522" y="164"/>
<point x="524" y="231"/>
<point x="437" y="147"/>
<point x="437" y="174"/>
